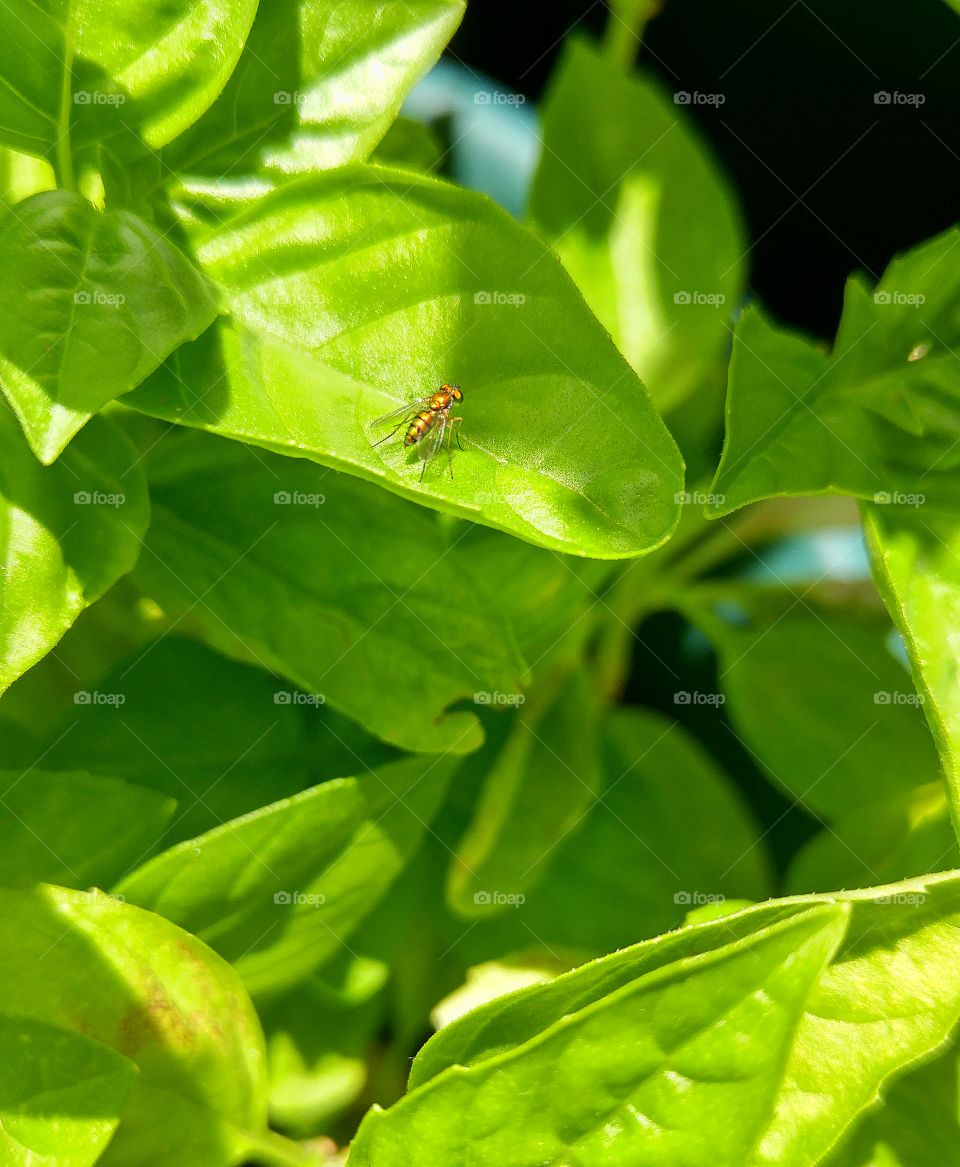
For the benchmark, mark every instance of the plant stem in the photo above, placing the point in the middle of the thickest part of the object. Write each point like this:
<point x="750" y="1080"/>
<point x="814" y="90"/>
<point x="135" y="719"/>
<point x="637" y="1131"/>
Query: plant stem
<point x="6" y="169"/>
<point x="624" y="31"/>
<point x="274" y="1150"/>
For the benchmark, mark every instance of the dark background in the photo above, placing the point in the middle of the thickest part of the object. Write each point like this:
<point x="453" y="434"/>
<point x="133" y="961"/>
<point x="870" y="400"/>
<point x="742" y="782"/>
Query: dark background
<point x="829" y="182"/>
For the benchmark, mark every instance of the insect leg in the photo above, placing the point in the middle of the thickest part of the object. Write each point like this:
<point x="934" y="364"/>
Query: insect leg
<point x="386" y="437"/>
<point x="455" y="423"/>
<point x="434" y="440"/>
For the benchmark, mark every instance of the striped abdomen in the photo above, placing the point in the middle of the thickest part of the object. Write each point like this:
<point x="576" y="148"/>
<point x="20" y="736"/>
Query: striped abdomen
<point x="421" y="425"/>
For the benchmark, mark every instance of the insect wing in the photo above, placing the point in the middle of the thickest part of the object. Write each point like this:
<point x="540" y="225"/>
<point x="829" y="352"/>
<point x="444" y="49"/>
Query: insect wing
<point x="404" y="411"/>
<point x="431" y="441"/>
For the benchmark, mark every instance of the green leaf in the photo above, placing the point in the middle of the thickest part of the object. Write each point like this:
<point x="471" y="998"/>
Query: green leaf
<point x="914" y="1123"/>
<point x="32" y="68"/>
<point x="890" y="997"/>
<point x="279" y="891"/>
<point x="550" y="600"/>
<point x="634" y="13"/>
<point x="315" y="87"/>
<point x="201" y="202"/>
<point x="822" y="702"/>
<point x="900" y="834"/>
<point x="404" y="282"/>
<point x="642" y="218"/>
<point x="512" y="1021"/>
<point x="132" y="982"/>
<point x="877" y="418"/>
<point x="412" y="145"/>
<point x="75" y="829"/>
<point x="327" y="582"/>
<point x="679" y="1065"/>
<point x="21" y="176"/>
<point x="541" y="785"/>
<point x="171" y="59"/>
<point x="668" y="832"/>
<point x="68" y="532"/>
<point x="269" y="394"/>
<point x="488" y="981"/>
<point x="319" y="1034"/>
<point x="61" y="1095"/>
<point x="238" y="743"/>
<point x="916" y="563"/>
<point x="154" y="68"/>
<point x="53" y="690"/>
<point x="90" y="304"/>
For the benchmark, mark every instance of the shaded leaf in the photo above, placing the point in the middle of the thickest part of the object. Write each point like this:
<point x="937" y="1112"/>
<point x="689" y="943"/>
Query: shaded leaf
<point x="138" y="65"/>
<point x="893" y="837"/>
<point x="543" y="782"/>
<point x="90" y="304"/>
<point x="279" y="891"/>
<point x="325" y="581"/>
<point x="68" y="532"/>
<point x="916" y="563"/>
<point x="75" y="829"/>
<point x="133" y="982"/>
<point x="316" y="86"/>
<point x="914" y="1123"/>
<point x="877" y="418"/>
<point x="642" y="218"/>
<point x="821" y="702"/>
<point x="61" y="1095"/>
<point x="668" y="832"/>
<point x="240" y="739"/>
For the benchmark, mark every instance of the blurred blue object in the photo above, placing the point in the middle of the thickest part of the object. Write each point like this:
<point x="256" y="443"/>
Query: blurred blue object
<point x="834" y="553"/>
<point x="494" y="133"/>
<point x="831" y="554"/>
<point x="896" y="645"/>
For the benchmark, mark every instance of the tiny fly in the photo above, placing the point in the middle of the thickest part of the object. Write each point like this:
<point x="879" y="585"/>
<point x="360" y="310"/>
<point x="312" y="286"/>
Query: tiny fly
<point x="427" y="421"/>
